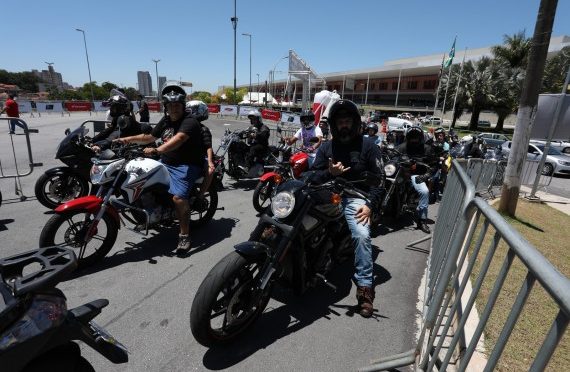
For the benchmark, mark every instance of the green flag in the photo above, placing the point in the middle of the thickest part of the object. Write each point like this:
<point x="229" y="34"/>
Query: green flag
<point x="449" y="59"/>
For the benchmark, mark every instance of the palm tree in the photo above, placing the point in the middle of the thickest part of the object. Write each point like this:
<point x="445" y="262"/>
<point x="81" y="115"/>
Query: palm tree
<point x="555" y="71"/>
<point x="478" y="88"/>
<point x="506" y="89"/>
<point x="514" y="51"/>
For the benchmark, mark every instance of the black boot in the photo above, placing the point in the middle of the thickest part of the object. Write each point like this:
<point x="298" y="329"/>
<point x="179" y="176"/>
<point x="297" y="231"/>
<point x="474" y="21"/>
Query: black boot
<point x="422" y="225"/>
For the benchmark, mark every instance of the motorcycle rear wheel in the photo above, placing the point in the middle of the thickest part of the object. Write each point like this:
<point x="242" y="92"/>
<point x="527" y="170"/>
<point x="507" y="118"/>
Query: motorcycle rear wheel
<point x="200" y="218"/>
<point x="69" y="230"/>
<point x="262" y="195"/>
<point x="227" y="302"/>
<point x="54" y="189"/>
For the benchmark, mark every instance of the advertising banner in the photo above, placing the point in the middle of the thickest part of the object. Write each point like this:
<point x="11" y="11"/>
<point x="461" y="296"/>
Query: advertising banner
<point x="24" y="106"/>
<point x="49" y="106"/>
<point x="245" y="110"/>
<point x="544" y="120"/>
<point x="271" y="115"/>
<point x="153" y="106"/>
<point x="100" y="106"/>
<point x="288" y="118"/>
<point x="76" y="106"/>
<point x="226" y="110"/>
<point x="213" y="108"/>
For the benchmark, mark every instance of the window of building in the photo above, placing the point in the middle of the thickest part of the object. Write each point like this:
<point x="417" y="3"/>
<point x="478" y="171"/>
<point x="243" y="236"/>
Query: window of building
<point x="373" y="87"/>
<point x="430" y="84"/>
<point x="383" y="86"/>
<point x="412" y="85"/>
<point x="394" y="85"/>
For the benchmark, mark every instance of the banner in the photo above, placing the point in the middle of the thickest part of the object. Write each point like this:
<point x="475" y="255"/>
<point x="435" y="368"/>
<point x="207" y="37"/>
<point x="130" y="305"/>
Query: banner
<point x="76" y="106"/>
<point x="288" y="118"/>
<point x="271" y="115"/>
<point x="100" y="106"/>
<point x="213" y="108"/>
<point x="226" y="110"/>
<point x="24" y="106"/>
<point x="49" y="106"/>
<point x="245" y="110"/>
<point x="153" y="106"/>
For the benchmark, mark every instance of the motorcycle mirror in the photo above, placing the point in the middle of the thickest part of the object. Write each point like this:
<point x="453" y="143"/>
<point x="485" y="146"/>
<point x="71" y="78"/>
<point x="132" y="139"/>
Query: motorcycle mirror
<point x="67" y="131"/>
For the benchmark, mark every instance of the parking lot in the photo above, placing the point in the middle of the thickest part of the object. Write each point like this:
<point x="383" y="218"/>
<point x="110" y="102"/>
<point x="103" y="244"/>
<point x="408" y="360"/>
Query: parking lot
<point x="151" y="290"/>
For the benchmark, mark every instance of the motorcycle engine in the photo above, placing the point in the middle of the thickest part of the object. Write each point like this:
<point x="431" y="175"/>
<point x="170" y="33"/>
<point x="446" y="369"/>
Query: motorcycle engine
<point x="150" y="203"/>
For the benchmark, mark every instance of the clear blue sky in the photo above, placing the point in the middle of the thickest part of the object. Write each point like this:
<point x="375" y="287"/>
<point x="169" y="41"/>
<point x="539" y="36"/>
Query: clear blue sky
<point x="194" y="39"/>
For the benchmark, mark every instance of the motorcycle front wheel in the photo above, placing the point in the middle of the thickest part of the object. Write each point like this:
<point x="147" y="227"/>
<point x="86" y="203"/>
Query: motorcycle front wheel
<point x="76" y="230"/>
<point x="54" y="189"/>
<point x="262" y="195"/>
<point x="228" y="300"/>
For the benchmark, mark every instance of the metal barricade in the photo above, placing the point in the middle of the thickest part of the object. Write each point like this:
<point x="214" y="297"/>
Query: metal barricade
<point x="530" y="172"/>
<point x="467" y="224"/>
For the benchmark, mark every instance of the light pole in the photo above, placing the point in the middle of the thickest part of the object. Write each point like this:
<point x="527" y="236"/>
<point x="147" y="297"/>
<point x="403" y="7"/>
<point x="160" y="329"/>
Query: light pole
<point x="272" y="74"/>
<point x="234" y="24"/>
<point x="246" y="34"/>
<point x="156" y="71"/>
<point x="257" y="88"/>
<point x="88" y="67"/>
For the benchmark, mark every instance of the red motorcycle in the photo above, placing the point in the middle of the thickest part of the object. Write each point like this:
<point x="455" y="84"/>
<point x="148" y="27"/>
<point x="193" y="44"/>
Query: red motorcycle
<point x="283" y="171"/>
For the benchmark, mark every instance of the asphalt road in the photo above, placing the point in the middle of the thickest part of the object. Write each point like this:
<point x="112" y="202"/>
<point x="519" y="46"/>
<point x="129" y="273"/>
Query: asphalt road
<point x="151" y="291"/>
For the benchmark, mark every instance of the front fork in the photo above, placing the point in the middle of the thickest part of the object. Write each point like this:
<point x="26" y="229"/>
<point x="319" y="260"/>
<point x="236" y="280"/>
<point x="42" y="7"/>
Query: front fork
<point x="91" y="231"/>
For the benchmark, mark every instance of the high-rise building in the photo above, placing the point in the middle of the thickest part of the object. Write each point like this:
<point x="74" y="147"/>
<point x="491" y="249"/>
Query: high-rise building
<point x="145" y="83"/>
<point x="161" y="81"/>
<point x="50" y="78"/>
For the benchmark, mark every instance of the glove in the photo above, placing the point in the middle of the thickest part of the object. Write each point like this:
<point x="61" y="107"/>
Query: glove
<point x="421" y="179"/>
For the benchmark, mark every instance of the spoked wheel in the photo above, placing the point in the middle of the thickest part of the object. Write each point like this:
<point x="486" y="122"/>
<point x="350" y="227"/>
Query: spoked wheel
<point x="55" y="189"/>
<point x="262" y="195"/>
<point x="547" y="170"/>
<point x="77" y="230"/>
<point x="205" y="208"/>
<point x="228" y="300"/>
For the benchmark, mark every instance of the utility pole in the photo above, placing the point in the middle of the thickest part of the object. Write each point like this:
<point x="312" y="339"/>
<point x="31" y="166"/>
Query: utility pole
<point x="234" y="24"/>
<point x="527" y="106"/>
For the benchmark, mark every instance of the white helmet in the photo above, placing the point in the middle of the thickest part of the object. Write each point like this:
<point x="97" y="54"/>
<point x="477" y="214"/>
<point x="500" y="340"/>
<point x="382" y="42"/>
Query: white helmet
<point x="198" y="109"/>
<point x="255" y="114"/>
<point x="466" y="140"/>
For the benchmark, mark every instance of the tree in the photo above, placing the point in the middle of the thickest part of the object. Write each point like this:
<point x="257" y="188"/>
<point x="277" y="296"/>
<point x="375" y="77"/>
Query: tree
<point x="461" y="103"/>
<point x="555" y="71"/>
<point x="206" y="97"/>
<point x="478" y="88"/>
<point x="514" y="51"/>
<point x="506" y="89"/>
<point x="108" y="86"/>
<point x="229" y="92"/>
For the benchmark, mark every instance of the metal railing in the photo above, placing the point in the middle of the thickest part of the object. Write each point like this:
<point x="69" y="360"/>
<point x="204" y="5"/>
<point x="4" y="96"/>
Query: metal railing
<point x="466" y="223"/>
<point x="31" y="164"/>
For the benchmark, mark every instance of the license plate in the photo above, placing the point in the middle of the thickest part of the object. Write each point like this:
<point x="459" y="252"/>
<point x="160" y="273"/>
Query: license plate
<point x="101" y="334"/>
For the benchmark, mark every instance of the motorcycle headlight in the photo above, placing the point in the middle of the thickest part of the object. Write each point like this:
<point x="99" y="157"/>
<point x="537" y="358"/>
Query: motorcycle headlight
<point x="282" y="204"/>
<point x="390" y="170"/>
<point x="96" y="173"/>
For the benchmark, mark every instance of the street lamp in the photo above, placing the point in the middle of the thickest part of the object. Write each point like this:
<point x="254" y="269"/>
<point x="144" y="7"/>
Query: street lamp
<point x="156" y="70"/>
<point x="88" y="67"/>
<point x="257" y="88"/>
<point x="234" y="24"/>
<point x="246" y="34"/>
<point x="272" y="74"/>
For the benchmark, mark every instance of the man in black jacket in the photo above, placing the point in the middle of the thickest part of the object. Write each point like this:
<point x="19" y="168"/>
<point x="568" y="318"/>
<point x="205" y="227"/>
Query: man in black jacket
<point x="259" y="138"/>
<point x="349" y="155"/>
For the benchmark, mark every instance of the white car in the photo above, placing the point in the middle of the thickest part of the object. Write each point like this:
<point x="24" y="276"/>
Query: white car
<point x="561" y="145"/>
<point x="434" y="120"/>
<point x="556" y="162"/>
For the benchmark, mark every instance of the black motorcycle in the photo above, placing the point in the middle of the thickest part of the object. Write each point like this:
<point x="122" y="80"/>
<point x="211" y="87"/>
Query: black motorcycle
<point x="296" y="242"/>
<point x="61" y="184"/>
<point x="37" y="331"/>
<point x="401" y="197"/>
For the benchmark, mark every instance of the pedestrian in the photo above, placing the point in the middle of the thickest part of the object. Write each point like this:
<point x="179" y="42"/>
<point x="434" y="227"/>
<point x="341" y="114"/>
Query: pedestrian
<point x="143" y="110"/>
<point x="11" y="109"/>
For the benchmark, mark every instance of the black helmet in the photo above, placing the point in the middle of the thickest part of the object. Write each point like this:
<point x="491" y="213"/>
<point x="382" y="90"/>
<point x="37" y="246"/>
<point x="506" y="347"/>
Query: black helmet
<point x="439" y="131"/>
<point x="415" y="132"/>
<point x="118" y="104"/>
<point x="173" y="93"/>
<point x="344" y="108"/>
<point x="372" y="126"/>
<point x="307" y="119"/>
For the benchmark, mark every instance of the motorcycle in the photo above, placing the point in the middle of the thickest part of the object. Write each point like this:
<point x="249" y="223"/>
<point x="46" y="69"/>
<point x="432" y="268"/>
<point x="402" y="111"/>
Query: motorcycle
<point x="401" y="197"/>
<point x="131" y="188"/>
<point x="296" y="241"/>
<point x="37" y="331"/>
<point x="61" y="184"/>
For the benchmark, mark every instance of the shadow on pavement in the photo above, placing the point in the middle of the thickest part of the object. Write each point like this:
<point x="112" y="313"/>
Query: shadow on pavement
<point x="5" y="222"/>
<point x="297" y="313"/>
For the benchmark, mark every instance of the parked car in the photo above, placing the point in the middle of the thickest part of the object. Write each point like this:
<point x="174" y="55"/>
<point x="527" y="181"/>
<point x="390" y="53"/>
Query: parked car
<point x="493" y="139"/>
<point x="561" y="145"/>
<point x="556" y="162"/>
<point x="484" y="124"/>
<point x="434" y="120"/>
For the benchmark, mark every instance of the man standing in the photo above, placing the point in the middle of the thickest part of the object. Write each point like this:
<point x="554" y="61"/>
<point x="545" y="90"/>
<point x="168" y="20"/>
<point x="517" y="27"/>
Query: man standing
<point x="11" y="109"/>
<point x="143" y="110"/>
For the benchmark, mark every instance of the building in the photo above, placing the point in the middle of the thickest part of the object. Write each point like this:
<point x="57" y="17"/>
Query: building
<point x="145" y="83"/>
<point x="406" y="83"/>
<point x="50" y="78"/>
<point x="161" y="81"/>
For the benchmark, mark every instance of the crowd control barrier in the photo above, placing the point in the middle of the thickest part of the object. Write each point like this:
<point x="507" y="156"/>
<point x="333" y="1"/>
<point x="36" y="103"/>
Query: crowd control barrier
<point x="464" y="221"/>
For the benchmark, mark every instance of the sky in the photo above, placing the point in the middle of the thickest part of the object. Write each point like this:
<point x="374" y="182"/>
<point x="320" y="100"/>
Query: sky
<point x="194" y="40"/>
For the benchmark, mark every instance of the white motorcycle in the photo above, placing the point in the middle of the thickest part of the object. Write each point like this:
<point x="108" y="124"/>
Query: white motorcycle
<point x="132" y="188"/>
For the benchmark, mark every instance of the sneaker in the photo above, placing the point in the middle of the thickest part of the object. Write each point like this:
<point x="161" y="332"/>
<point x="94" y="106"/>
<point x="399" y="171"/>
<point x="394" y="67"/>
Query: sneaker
<point x="12" y="132"/>
<point x="422" y="225"/>
<point x="184" y="244"/>
<point x="365" y="298"/>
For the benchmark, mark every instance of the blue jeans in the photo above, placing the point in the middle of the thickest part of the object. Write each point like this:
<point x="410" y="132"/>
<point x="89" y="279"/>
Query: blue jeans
<point x="363" y="264"/>
<point x="423" y="203"/>
<point x="13" y="123"/>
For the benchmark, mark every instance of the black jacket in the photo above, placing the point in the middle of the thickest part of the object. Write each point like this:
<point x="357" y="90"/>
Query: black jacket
<point x="360" y="155"/>
<point x="107" y="135"/>
<point x="422" y="153"/>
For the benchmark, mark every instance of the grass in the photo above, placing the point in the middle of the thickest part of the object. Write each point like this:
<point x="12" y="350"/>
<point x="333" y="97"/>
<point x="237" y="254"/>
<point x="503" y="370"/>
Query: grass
<point x="547" y="229"/>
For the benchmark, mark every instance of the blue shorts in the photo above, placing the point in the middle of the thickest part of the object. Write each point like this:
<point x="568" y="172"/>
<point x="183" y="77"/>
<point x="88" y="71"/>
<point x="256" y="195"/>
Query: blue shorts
<point x="182" y="178"/>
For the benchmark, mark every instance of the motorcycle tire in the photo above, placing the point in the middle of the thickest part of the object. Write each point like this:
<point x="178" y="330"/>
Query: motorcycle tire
<point x="198" y="218"/>
<point x="73" y="234"/>
<point x="233" y="277"/>
<point x="262" y="194"/>
<point x="52" y="201"/>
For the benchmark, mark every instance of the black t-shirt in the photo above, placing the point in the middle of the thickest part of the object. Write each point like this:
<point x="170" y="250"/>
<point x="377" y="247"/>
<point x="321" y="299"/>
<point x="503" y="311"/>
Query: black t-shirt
<point x="143" y="111"/>
<point x="192" y="150"/>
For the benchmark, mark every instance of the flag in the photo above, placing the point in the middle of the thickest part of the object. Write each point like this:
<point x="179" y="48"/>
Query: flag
<point x="449" y="59"/>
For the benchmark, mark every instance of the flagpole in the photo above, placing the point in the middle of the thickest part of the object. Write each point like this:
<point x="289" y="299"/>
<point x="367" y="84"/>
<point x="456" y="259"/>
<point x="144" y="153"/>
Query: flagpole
<point x="367" y="83"/>
<point x="448" y="76"/>
<point x="457" y="88"/>
<point x="438" y="85"/>
<point x="398" y="90"/>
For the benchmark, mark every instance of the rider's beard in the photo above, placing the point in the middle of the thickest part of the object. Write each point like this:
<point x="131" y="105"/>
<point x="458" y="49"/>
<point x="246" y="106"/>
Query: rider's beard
<point x="344" y="135"/>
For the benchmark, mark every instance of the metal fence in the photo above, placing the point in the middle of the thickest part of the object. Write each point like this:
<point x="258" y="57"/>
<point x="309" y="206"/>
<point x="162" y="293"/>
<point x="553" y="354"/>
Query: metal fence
<point x="465" y="223"/>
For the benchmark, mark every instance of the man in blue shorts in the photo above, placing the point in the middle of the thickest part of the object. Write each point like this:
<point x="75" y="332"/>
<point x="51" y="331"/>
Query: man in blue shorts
<point x="182" y="153"/>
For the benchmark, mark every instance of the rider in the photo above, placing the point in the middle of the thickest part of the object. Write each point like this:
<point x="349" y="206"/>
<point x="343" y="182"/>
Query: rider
<point x="307" y="132"/>
<point x="259" y="137"/>
<point x="182" y="153"/>
<point x="441" y="151"/>
<point x="123" y="122"/>
<point x="371" y="132"/>
<point x="349" y="154"/>
<point x="416" y="149"/>
<point x="199" y="110"/>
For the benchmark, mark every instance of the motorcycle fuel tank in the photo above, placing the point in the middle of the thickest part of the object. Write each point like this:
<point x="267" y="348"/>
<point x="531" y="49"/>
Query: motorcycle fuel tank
<point x="143" y="173"/>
